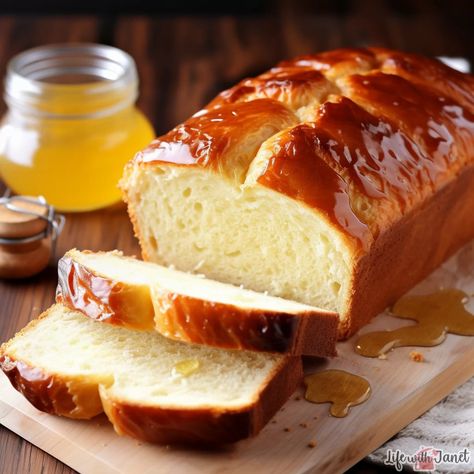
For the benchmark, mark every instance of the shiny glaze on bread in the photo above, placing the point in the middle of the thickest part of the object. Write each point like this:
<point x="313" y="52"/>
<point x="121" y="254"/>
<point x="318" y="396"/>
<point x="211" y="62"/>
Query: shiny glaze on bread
<point x="363" y="135"/>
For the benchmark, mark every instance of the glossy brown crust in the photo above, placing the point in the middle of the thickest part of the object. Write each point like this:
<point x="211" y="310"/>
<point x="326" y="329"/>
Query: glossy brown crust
<point x="52" y="394"/>
<point x="339" y="61"/>
<point x="195" y="320"/>
<point x="429" y="73"/>
<point x="296" y="87"/>
<point x="39" y="388"/>
<point x="207" y="426"/>
<point x="438" y="125"/>
<point x="415" y="246"/>
<point x="206" y="322"/>
<point x="222" y="138"/>
<point x="103" y="299"/>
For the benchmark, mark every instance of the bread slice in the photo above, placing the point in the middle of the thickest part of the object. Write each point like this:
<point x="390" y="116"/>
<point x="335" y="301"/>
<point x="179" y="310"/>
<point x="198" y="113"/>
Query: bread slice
<point x="124" y="291"/>
<point x="150" y="387"/>
<point x="365" y="186"/>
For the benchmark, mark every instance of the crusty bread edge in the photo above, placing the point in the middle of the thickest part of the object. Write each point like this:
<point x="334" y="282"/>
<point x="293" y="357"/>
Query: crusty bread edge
<point x="80" y="397"/>
<point x="124" y="186"/>
<point x="115" y="303"/>
<point x="190" y="319"/>
<point x="408" y="251"/>
<point x="72" y="397"/>
<point x="208" y="425"/>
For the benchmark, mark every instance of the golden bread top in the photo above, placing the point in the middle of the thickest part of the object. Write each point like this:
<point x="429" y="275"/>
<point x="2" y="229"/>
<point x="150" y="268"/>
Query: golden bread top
<point x="362" y="136"/>
<point x="225" y="139"/>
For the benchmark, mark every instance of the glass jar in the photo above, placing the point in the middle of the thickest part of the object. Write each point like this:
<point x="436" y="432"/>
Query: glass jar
<point x="71" y="124"/>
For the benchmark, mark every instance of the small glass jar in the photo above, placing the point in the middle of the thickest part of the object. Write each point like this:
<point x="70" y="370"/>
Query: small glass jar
<point x="71" y="124"/>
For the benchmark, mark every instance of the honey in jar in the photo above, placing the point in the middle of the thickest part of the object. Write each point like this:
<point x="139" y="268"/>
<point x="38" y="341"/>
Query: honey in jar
<point x="71" y="124"/>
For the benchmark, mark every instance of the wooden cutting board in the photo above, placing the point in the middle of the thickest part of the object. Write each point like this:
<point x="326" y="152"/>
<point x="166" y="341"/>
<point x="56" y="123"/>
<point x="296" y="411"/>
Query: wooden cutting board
<point x="401" y="391"/>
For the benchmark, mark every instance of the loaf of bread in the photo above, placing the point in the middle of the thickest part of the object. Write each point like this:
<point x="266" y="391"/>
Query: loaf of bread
<point x="338" y="180"/>
<point x="109" y="287"/>
<point x="150" y="387"/>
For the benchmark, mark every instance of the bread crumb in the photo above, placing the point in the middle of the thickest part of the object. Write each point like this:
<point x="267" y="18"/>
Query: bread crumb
<point x="416" y="356"/>
<point x="312" y="444"/>
<point x="287" y="429"/>
<point x="304" y="425"/>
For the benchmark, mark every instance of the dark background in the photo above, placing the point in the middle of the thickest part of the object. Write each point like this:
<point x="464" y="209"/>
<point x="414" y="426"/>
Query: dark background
<point x="186" y="52"/>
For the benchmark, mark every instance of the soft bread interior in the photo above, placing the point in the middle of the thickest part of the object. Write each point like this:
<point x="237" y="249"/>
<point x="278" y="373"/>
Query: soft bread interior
<point x="245" y="235"/>
<point x="141" y="368"/>
<point x="114" y="266"/>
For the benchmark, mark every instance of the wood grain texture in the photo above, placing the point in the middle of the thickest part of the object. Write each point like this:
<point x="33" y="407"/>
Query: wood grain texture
<point x="183" y="62"/>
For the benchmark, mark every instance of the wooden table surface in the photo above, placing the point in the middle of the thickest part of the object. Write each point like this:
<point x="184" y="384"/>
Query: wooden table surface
<point x="183" y="61"/>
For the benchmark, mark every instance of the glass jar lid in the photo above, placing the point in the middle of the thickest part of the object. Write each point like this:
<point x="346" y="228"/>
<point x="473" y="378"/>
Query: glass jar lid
<point x="71" y="81"/>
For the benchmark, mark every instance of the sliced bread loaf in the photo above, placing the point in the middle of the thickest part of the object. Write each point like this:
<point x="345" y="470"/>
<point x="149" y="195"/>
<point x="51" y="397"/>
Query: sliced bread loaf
<point x="338" y="179"/>
<point x="124" y="291"/>
<point x="149" y="386"/>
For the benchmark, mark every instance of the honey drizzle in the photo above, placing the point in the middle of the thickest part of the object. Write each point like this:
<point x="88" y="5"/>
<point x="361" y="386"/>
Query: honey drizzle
<point x="338" y="387"/>
<point x="437" y="314"/>
<point x="186" y="367"/>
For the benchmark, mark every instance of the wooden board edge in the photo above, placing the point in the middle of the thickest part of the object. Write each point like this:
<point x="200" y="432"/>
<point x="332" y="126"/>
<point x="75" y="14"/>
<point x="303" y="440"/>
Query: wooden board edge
<point x="61" y="448"/>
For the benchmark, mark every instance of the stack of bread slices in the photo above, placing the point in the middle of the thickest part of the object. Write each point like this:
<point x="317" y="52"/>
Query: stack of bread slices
<point x="169" y="356"/>
<point x="338" y="180"/>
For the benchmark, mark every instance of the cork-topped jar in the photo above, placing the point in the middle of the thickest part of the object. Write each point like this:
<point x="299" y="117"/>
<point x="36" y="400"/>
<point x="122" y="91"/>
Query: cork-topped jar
<point x="28" y="231"/>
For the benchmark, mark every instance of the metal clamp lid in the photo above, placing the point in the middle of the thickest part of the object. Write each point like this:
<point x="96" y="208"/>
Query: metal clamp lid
<point x="55" y="222"/>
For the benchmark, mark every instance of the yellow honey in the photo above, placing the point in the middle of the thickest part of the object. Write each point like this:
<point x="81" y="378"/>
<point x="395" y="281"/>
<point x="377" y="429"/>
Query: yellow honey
<point x="71" y="128"/>
<point x="187" y="367"/>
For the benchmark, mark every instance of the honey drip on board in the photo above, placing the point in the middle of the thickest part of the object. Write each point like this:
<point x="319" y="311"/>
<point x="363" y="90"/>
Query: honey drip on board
<point x="338" y="387"/>
<point x="436" y="315"/>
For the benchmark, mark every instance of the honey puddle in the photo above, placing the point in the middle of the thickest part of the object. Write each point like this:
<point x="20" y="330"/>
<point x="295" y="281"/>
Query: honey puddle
<point x="342" y="389"/>
<point x="437" y="314"/>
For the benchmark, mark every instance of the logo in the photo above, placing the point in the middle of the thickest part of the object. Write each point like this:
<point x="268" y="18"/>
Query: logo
<point x="426" y="459"/>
